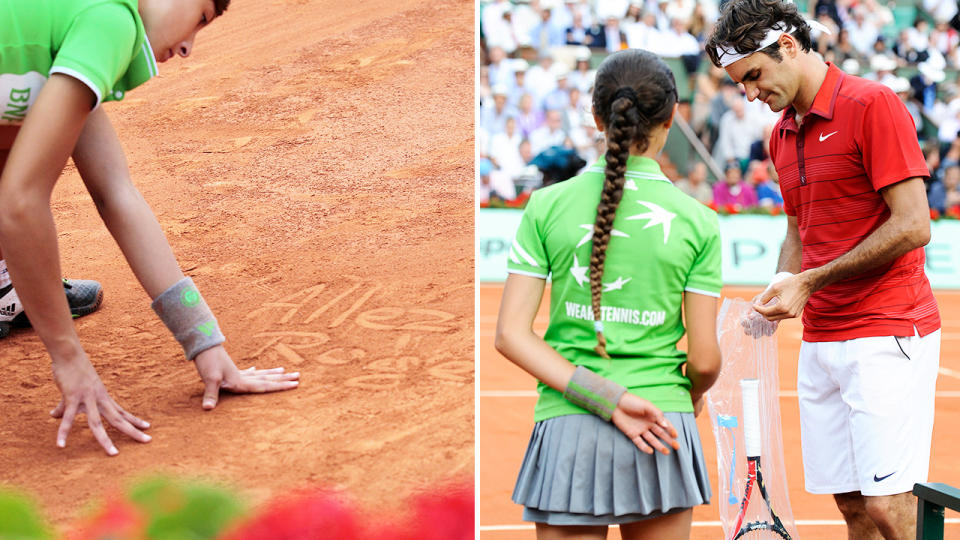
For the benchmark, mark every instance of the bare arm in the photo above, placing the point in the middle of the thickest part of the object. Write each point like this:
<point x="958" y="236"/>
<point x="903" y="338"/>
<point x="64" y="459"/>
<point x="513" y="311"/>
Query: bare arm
<point x="636" y="417"/>
<point x="103" y="166"/>
<point x="791" y="251"/>
<point x="516" y="339"/>
<point x="907" y="228"/>
<point x="703" y="351"/>
<point x="29" y="239"/>
<point x="27" y="231"/>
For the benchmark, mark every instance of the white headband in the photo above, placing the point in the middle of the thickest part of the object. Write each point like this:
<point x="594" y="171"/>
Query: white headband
<point x="728" y="56"/>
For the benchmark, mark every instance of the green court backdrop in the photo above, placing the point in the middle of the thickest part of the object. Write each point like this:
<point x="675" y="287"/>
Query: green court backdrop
<point x="751" y="245"/>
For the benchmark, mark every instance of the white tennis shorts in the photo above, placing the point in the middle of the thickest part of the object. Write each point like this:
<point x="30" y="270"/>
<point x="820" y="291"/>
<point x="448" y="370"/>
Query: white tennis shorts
<point x="866" y="413"/>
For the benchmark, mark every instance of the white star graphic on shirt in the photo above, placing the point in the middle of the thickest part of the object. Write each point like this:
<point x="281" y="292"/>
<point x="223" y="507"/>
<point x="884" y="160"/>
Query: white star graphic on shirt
<point x="631" y="185"/>
<point x="657" y="216"/>
<point x="616" y="285"/>
<point x="589" y="235"/>
<point x="579" y="272"/>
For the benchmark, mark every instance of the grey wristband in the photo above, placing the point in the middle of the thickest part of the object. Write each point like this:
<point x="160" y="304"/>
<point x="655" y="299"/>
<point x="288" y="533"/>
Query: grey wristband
<point x="593" y="392"/>
<point x="187" y="316"/>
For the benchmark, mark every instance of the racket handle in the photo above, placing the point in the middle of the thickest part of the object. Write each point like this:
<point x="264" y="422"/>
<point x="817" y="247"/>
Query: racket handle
<point x="750" y="390"/>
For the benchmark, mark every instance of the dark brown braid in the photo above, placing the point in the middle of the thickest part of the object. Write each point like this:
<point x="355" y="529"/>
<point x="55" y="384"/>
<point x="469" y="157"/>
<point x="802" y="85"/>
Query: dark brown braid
<point x="634" y="92"/>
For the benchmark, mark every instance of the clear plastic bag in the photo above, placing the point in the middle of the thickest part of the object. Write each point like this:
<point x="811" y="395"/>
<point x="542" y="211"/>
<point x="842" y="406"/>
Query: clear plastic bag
<point x="747" y="358"/>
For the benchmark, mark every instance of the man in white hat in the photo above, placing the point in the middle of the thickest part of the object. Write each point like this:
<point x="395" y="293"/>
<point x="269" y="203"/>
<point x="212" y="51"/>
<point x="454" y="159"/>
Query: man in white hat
<point x="851" y="173"/>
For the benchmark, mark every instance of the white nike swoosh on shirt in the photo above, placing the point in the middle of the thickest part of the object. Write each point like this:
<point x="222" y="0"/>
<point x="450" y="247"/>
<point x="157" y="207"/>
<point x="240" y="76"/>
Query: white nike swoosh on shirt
<point x="827" y="136"/>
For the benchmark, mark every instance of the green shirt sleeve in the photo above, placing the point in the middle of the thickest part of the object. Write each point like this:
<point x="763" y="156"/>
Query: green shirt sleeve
<point x="98" y="47"/>
<point x="527" y="254"/>
<point x="705" y="274"/>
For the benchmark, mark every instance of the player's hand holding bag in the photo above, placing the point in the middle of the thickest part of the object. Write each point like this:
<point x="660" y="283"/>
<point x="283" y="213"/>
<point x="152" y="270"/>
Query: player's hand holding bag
<point x="745" y="412"/>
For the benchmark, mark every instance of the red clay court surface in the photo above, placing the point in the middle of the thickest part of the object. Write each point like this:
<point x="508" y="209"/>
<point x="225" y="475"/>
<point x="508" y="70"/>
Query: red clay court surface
<point x="506" y="396"/>
<point x="312" y="166"/>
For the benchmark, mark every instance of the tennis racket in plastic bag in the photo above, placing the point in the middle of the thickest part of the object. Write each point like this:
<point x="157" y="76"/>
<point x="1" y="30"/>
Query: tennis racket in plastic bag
<point x="771" y="527"/>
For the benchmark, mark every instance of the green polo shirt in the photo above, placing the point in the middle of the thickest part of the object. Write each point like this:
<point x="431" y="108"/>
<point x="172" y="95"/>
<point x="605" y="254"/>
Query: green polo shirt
<point x="101" y="43"/>
<point x="663" y="243"/>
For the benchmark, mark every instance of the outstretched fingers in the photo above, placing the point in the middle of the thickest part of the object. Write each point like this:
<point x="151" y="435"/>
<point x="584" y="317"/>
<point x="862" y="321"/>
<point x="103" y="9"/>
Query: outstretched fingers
<point x="261" y="383"/>
<point x="68" y="412"/>
<point x="96" y="427"/>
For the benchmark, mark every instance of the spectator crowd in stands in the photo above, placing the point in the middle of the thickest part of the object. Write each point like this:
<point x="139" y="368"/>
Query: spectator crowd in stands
<point x="536" y="78"/>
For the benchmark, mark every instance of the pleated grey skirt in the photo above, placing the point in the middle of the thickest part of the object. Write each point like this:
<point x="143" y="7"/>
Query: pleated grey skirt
<point x="581" y="470"/>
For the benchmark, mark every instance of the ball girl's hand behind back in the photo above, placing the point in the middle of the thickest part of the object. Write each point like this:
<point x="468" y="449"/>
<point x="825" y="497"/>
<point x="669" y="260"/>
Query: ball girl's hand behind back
<point x="644" y="424"/>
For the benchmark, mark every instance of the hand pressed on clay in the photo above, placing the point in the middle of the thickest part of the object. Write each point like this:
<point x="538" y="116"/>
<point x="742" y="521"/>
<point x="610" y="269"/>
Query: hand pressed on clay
<point x="82" y="392"/>
<point x="218" y="372"/>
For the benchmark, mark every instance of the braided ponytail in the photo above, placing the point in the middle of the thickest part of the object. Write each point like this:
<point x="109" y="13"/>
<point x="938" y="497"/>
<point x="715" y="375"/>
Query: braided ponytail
<point x="634" y="92"/>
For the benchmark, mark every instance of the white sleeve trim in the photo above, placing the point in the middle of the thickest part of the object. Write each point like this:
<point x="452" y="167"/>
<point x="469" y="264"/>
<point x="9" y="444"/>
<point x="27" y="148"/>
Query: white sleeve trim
<point x="703" y="292"/>
<point x="80" y="77"/>
<point x="525" y="273"/>
<point x="526" y="256"/>
<point x="148" y="53"/>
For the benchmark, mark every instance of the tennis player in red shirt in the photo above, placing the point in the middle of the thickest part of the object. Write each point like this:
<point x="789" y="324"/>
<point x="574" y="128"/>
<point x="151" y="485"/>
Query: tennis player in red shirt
<point x="851" y="171"/>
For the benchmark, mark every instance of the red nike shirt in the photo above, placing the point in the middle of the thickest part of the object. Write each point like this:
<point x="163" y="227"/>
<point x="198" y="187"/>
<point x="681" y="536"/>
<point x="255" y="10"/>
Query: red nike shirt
<point x="857" y="139"/>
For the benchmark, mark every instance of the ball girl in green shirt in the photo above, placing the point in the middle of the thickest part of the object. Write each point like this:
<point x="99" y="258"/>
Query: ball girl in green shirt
<point x="629" y="256"/>
<point x="58" y="61"/>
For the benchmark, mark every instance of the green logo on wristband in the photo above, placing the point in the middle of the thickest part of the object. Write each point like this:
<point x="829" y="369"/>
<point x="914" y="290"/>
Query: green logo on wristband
<point x="189" y="297"/>
<point x="208" y="328"/>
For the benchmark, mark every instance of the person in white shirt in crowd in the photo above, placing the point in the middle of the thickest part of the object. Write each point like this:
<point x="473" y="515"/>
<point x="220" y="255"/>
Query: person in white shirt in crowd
<point x="574" y="113"/>
<point x="529" y="117"/>
<point x="572" y="8"/>
<point x="582" y="76"/>
<point x="547" y="33"/>
<point x="505" y="150"/>
<point x="589" y="143"/>
<point x="559" y="97"/>
<point x="944" y="39"/>
<point x="613" y="37"/>
<point x="526" y="16"/>
<point x="500" y="68"/>
<point x="863" y="31"/>
<point x="577" y="31"/>
<point x="735" y="133"/>
<point x="503" y="33"/>
<point x="551" y="133"/>
<point x="696" y="184"/>
<point x="606" y="9"/>
<point x="882" y="69"/>
<point x="492" y="21"/>
<point x="919" y="34"/>
<point x="924" y="85"/>
<point x="677" y="41"/>
<point x="901" y="87"/>
<point x="680" y="9"/>
<point x="949" y="117"/>
<point x="493" y="183"/>
<point x="540" y="79"/>
<point x="942" y="11"/>
<point x="644" y="33"/>
<point x="659" y="11"/>
<point x="634" y="13"/>
<point x="519" y="66"/>
<point x="484" y="92"/>
<point x="493" y="116"/>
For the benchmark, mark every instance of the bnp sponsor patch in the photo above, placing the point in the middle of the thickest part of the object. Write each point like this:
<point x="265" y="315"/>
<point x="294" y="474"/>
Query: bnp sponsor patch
<point x="617" y="314"/>
<point x="17" y="95"/>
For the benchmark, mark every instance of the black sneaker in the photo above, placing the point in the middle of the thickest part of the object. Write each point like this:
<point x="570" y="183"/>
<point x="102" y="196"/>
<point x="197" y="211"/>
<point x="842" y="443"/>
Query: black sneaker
<point x="84" y="296"/>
